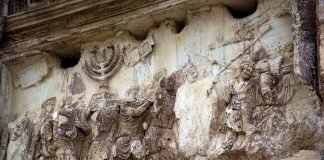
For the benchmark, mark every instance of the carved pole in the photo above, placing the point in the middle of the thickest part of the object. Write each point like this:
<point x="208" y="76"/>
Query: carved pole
<point x="259" y="35"/>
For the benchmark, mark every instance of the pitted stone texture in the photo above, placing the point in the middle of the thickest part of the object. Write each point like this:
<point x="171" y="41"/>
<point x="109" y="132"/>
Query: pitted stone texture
<point x="193" y="111"/>
<point x="306" y="155"/>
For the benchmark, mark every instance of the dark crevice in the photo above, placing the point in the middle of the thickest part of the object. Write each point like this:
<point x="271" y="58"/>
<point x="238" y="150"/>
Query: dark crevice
<point x="141" y="37"/>
<point x="242" y="13"/>
<point x="180" y="26"/>
<point x="70" y="60"/>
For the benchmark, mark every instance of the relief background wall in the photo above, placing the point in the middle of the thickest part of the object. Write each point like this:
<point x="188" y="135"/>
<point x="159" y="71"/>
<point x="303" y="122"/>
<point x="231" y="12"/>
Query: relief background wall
<point x="202" y="53"/>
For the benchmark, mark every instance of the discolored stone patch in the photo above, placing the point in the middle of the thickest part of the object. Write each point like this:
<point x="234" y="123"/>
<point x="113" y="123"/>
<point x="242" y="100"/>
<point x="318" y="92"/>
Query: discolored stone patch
<point x="77" y="86"/>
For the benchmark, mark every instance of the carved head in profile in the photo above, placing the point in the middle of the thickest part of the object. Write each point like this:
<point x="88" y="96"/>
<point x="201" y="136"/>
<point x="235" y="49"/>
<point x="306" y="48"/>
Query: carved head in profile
<point x="268" y="82"/>
<point x="48" y="106"/>
<point x="246" y="69"/>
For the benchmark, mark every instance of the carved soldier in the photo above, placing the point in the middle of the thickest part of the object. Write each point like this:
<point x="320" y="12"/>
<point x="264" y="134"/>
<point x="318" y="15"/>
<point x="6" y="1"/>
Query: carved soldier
<point x="164" y="103"/>
<point x="275" y="90"/>
<point x="131" y="129"/>
<point x="191" y="72"/>
<point x="241" y="99"/>
<point x="20" y="133"/>
<point x="46" y="131"/>
<point x="159" y="133"/>
<point x="69" y="130"/>
<point x="104" y="118"/>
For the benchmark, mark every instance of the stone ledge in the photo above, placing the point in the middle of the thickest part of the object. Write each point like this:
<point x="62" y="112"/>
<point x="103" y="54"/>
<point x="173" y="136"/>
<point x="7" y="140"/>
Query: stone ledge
<point x="55" y="28"/>
<point x="47" y="13"/>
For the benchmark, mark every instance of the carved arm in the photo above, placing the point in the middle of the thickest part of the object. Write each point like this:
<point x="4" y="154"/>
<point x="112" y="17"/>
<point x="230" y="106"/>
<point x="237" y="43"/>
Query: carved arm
<point x="83" y="125"/>
<point x="135" y="112"/>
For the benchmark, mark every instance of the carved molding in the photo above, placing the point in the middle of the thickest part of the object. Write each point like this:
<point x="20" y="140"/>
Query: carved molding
<point x="179" y="93"/>
<point x="131" y="12"/>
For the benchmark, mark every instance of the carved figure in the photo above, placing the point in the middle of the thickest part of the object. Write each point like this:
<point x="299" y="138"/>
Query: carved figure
<point x="268" y="82"/>
<point x="241" y="98"/>
<point x="159" y="136"/>
<point x="131" y="129"/>
<point x="20" y="132"/>
<point x="104" y="117"/>
<point x="160" y="143"/>
<point x="191" y="72"/>
<point x="69" y="129"/>
<point x="164" y="103"/>
<point x="244" y="95"/>
<point x="46" y="131"/>
<point x="47" y="141"/>
<point x="274" y="82"/>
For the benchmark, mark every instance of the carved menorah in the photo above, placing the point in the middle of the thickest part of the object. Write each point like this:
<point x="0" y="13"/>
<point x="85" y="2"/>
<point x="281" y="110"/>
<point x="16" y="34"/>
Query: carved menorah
<point x="104" y="64"/>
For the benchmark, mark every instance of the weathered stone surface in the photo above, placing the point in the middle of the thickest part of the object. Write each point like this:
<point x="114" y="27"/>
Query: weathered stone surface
<point x="305" y="155"/>
<point x="193" y="107"/>
<point x="305" y="39"/>
<point x="161" y="80"/>
<point x="31" y="74"/>
<point x="77" y="86"/>
<point x="320" y="57"/>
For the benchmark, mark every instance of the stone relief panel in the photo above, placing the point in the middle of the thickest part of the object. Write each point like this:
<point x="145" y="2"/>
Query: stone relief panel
<point x="221" y="88"/>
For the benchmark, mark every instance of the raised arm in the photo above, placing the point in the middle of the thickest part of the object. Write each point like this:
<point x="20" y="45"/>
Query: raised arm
<point x="135" y="112"/>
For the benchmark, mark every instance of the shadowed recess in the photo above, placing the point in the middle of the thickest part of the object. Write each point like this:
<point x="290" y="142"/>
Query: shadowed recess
<point x="70" y="60"/>
<point x="236" y="13"/>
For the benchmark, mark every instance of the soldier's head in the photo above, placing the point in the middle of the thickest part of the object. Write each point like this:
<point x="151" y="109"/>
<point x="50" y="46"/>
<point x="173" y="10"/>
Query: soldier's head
<point x="65" y="102"/>
<point x="191" y="72"/>
<point x="268" y="82"/>
<point x="167" y="83"/>
<point x="246" y="69"/>
<point x="48" y="106"/>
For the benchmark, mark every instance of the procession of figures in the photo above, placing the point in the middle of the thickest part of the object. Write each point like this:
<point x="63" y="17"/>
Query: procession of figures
<point x="258" y="82"/>
<point x="142" y="127"/>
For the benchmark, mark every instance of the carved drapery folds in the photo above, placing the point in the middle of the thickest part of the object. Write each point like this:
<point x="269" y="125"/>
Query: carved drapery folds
<point x="264" y="81"/>
<point x="20" y="139"/>
<point x="104" y="121"/>
<point x="207" y="90"/>
<point x="116" y="128"/>
<point x="247" y="99"/>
